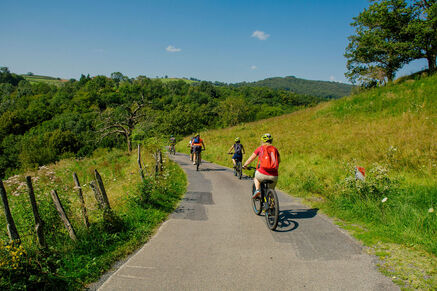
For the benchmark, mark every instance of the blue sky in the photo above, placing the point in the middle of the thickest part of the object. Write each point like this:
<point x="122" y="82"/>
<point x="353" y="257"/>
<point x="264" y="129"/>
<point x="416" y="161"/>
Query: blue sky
<point x="228" y="41"/>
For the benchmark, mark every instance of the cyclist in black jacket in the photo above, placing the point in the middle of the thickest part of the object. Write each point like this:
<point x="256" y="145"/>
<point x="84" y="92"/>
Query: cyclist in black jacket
<point x="238" y="149"/>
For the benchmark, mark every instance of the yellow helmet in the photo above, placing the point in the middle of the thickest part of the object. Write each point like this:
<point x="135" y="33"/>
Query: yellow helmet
<point x="237" y="139"/>
<point x="267" y="137"/>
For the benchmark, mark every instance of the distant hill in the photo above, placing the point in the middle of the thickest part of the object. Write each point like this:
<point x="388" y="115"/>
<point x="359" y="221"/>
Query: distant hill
<point x="324" y="89"/>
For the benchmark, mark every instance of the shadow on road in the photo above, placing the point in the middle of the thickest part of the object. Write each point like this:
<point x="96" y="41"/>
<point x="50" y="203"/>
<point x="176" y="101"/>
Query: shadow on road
<point x="212" y="170"/>
<point x="287" y="218"/>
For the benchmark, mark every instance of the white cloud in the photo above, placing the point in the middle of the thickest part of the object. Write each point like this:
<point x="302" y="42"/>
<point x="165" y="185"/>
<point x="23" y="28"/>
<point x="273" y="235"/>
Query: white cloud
<point x="332" y="78"/>
<point x="172" y="49"/>
<point x="253" y="67"/>
<point x="261" y="35"/>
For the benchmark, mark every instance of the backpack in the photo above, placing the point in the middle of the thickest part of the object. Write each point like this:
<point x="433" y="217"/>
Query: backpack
<point x="196" y="140"/>
<point x="237" y="148"/>
<point x="269" y="158"/>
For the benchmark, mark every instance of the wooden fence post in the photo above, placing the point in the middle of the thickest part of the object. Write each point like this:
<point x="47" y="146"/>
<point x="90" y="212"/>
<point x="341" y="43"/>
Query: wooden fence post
<point x="99" y="198"/>
<point x="63" y="216"/>
<point x="102" y="189"/>
<point x="82" y="201"/>
<point x="12" y="230"/>
<point x="139" y="163"/>
<point x="155" y="156"/>
<point x="39" y="223"/>
<point x="160" y="161"/>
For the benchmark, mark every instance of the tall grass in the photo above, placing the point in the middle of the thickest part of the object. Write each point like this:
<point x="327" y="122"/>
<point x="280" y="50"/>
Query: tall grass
<point x="70" y="265"/>
<point x="392" y="129"/>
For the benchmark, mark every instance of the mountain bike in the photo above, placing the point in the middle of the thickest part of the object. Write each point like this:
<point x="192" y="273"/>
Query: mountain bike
<point x="238" y="168"/>
<point x="198" y="160"/>
<point x="267" y="203"/>
<point x="172" y="149"/>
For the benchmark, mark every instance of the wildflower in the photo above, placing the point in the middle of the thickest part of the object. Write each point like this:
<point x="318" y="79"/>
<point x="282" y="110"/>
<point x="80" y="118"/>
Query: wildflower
<point x="431" y="210"/>
<point x="383" y="200"/>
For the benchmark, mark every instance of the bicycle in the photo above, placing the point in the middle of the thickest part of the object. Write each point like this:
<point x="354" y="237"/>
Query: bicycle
<point x="172" y="149"/>
<point x="198" y="160"/>
<point x="267" y="203"/>
<point x="238" y="168"/>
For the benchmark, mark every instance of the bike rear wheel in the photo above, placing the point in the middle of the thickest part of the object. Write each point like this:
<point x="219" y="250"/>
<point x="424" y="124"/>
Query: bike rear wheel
<point x="272" y="209"/>
<point x="197" y="162"/>
<point x="257" y="203"/>
<point x="239" y="170"/>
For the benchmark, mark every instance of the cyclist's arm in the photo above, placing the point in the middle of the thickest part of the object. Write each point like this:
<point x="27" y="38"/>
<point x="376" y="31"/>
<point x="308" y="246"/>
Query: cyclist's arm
<point x="250" y="160"/>
<point x="242" y="150"/>
<point x="203" y="145"/>
<point x="230" y="149"/>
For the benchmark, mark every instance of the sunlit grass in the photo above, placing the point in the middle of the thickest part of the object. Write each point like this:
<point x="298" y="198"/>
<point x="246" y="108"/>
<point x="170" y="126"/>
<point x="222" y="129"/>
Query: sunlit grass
<point x="97" y="248"/>
<point x="394" y="127"/>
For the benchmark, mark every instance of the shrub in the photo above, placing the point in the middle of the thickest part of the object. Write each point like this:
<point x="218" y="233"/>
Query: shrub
<point x="377" y="185"/>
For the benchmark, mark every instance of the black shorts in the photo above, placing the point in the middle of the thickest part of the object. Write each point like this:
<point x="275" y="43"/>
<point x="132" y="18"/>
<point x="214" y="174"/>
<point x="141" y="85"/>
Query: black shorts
<point x="197" y="148"/>
<point x="238" y="157"/>
<point x="191" y="150"/>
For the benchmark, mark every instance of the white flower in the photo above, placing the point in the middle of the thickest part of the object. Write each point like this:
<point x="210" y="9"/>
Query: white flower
<point x="383" y="200"/>
<point x="431" y="210"/>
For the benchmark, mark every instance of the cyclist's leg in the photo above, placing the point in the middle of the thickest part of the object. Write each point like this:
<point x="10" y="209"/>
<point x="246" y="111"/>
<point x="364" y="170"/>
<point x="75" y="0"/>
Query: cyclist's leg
<point x="261" y="178"/>
<point x="234" y="162"/>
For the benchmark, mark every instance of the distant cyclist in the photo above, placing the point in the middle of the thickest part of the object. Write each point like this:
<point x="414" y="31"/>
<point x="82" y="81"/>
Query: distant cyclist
<point x="268" y="164"/>
<point x="172" y="142"/>
<point x="238" y="149"/>
<point x="197" y="144"/>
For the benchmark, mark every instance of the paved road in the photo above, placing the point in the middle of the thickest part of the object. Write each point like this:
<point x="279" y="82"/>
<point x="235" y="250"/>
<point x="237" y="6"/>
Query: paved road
<point x="213" y="241"/>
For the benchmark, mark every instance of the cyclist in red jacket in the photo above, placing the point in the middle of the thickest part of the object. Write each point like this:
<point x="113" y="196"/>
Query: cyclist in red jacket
<point x="266" y="171"/>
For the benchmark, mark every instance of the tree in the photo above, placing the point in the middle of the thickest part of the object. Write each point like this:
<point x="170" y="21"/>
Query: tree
<point x="121" y="120"/>
<point x="424" y="31"/>
<point x="381" y="43"/>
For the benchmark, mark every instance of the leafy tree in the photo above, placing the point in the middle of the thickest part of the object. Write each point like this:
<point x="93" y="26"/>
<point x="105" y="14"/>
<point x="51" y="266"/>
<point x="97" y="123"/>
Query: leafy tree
<point x="122" y="120"/>
<point x="7" y="77"/>
<point x="382" y="44"/>
<point x="424" y="31"/>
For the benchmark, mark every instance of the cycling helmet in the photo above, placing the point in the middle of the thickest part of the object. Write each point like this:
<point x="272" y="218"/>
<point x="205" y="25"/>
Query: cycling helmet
<point x="237" y="139"/>
<point x="197" y="134"/>
<point x="267" y="137"/>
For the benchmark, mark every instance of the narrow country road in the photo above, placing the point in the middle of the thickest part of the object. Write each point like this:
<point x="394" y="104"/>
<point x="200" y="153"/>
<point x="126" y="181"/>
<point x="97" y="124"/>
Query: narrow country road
<point x="214" y="241"/>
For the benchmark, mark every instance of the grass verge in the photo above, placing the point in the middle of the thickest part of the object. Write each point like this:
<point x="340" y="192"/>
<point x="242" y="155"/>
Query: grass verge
<point x="138" y="207"/>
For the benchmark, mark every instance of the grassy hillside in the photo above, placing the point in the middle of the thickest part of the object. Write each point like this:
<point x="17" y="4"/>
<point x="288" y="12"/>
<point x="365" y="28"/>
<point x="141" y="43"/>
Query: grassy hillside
<point x="166" y="80"/>
<point x="301" y="86"/>
<point x="43" y="79"/>
<point x="392" y="132"/>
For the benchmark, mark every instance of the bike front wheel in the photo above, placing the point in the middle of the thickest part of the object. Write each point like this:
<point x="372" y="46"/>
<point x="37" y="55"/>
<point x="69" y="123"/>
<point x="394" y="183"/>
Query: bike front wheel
<point x="257" y="203"/>
<point x="271" y="209"/>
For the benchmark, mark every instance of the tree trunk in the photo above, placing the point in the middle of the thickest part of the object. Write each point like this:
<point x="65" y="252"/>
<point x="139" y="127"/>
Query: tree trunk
<point x="129" y="145"/>
<point x="431" y="57"/>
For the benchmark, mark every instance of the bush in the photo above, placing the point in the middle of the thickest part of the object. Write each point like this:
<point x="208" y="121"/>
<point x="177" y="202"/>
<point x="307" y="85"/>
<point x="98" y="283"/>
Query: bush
<point x="377" y="185"/>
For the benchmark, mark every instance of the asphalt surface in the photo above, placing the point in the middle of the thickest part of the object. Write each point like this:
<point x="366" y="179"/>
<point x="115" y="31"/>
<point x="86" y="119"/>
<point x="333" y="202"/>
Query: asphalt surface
<point x="214" y="241"/>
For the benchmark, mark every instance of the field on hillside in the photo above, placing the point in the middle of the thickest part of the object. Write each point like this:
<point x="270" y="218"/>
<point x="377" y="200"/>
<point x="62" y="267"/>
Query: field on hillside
<point x="166" y="80"/>
<point x="392" y="133"/>
<point x="43" y="79"/>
